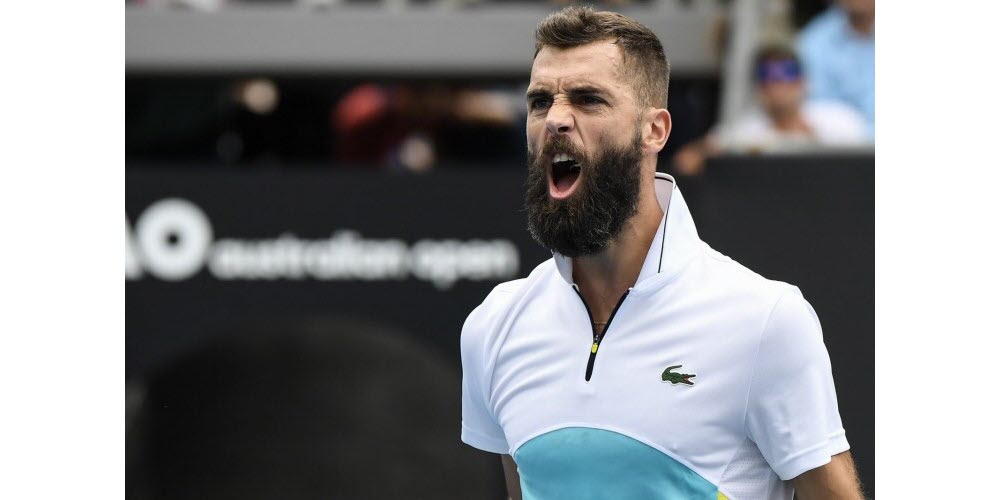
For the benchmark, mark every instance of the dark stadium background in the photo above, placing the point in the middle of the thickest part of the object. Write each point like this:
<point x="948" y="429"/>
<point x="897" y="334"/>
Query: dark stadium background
<point x="285" y="385"/>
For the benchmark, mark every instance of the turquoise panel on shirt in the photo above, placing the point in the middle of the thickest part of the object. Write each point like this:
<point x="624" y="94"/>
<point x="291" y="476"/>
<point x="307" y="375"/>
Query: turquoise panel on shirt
<point x="582" y="463"/>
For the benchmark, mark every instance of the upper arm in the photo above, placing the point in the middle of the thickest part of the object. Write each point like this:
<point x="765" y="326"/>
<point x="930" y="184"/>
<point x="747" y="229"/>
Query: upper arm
<point x="792" y="412"/>
<point x="835" y="480"/>
<point x="479" y="426"/>
<point x="511" y="476"/>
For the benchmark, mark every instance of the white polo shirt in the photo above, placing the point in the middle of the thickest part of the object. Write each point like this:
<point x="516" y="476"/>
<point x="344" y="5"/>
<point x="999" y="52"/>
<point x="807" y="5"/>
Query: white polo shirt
<point x="710" y="381"/>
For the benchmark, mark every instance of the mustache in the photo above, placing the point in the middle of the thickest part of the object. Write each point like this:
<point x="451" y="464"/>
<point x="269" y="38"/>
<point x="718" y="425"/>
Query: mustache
<point x="560" y="144"/>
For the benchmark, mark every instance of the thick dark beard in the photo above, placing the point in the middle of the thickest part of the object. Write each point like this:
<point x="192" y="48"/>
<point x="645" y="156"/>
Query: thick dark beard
<point x="586" y="222"/>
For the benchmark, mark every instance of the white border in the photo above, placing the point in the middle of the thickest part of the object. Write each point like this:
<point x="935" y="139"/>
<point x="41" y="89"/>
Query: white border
<point x="936" y="272"/>
<point x="62" y="360"/>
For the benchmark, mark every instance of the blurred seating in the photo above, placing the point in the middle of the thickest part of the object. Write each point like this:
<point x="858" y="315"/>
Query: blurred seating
<point x="783" y="120"/>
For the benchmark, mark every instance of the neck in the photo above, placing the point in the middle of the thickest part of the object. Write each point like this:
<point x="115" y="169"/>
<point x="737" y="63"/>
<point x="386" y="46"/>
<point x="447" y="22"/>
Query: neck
<point x="863" y="23"/>
<point x="790" y="122"/>
<point x="605" y="276"/>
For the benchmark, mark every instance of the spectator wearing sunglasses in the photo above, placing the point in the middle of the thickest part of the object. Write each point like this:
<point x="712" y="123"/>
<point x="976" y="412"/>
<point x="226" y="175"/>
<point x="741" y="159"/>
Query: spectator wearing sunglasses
<point x="782" y="122"/>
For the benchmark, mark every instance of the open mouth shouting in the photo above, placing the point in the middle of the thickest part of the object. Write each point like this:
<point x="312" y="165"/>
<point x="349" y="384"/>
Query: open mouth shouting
<point x="564" y="176"/>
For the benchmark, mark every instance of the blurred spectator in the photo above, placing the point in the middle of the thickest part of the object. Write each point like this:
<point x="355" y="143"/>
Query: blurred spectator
<point x="838" y="52"/>
<point x="484" y="127"/>
<point x="415" y="127"/>
<point x="268" y="122"/>
<point x="784" y="123"/>
<point x="370" y="121"/>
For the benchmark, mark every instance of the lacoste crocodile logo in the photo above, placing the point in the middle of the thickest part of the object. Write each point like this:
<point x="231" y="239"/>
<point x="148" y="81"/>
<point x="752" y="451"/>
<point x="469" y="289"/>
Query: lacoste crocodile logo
<point x="677" y="378"/>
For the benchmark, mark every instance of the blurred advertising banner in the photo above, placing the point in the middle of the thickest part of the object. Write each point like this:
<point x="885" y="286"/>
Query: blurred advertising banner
<point x="346" y="264"/>
<point x="206" y="249"/>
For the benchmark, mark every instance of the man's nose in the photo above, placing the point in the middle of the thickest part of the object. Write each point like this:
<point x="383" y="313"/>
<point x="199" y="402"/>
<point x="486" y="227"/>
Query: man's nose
<point x="559" y="119"/>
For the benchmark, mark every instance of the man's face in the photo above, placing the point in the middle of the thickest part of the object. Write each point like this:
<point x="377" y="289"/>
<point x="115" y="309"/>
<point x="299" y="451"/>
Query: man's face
<point x="584" y="149"/>
<point x="781" y="98"/>
<point x="780" y="87"/>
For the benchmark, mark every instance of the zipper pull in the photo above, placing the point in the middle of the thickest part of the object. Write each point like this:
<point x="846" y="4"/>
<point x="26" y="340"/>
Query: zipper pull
<point x="593" y="347"/>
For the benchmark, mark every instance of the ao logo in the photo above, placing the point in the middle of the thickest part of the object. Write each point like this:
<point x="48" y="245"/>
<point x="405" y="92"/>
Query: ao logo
<point x="172" y="239"/>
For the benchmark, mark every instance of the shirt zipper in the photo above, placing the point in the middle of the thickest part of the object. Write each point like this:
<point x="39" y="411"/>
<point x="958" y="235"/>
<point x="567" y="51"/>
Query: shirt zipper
<point x="598" y="336"/>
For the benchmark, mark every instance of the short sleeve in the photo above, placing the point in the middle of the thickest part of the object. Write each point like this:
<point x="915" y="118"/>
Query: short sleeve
<point x="792" y="412"/>
<point x="479" y="427"/>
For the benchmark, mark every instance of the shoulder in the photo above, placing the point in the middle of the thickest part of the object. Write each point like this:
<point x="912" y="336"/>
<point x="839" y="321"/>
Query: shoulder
<point x="835" y="122"/>
<point x="483" y="323"/>
<point x="742" y="284"/>
<point x="781" y="319"/>
<point x="502" y="295"/>
<point x="747" y="310"/>
<point x="822" y="27"/>
<point x="746" y="130"/>
<point x="491" y="308"/>
<point x="782" y="313"/>
<point x="752" y="120"/>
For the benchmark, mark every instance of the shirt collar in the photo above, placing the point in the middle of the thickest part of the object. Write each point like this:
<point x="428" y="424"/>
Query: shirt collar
<point x="676" y="241"/>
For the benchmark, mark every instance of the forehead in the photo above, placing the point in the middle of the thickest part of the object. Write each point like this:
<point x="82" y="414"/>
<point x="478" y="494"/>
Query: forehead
<point x="594" y="63"/>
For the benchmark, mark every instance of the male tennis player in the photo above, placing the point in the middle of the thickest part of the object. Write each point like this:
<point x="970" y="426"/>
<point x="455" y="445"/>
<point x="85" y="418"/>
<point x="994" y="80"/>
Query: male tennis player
<point x="638" y="363"/>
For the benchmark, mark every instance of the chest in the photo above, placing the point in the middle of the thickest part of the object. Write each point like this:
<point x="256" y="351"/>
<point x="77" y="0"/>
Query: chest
<point x="667" y="370"/>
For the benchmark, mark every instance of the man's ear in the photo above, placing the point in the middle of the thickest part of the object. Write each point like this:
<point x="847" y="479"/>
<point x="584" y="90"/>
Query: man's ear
<point x="656" y="130"/>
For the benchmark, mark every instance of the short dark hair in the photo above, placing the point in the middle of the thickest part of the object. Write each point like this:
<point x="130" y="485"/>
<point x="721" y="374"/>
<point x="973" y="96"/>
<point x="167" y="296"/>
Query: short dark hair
<point x="645" y="64"/>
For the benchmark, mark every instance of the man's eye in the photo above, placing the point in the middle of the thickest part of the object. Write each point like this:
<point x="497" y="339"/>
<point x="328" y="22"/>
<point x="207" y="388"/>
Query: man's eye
<point x="540" y="103"/>
<point x="591" y="100"/>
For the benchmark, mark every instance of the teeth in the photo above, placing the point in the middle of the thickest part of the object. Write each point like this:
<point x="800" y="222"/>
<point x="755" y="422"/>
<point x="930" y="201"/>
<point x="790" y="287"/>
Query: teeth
<point x="562" y="157"/>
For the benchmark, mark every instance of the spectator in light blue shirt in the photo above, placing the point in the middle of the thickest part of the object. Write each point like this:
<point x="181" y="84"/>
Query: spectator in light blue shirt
<point x="838" y="53"/>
